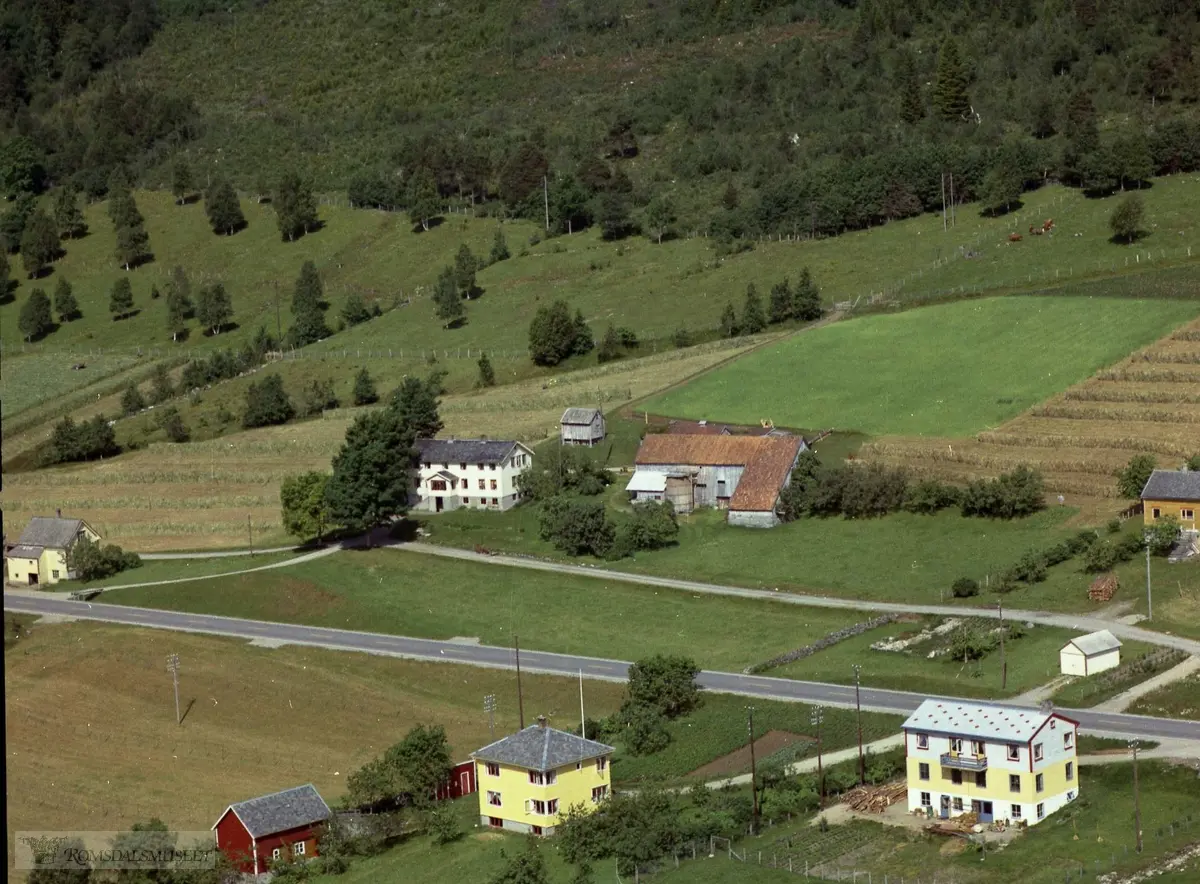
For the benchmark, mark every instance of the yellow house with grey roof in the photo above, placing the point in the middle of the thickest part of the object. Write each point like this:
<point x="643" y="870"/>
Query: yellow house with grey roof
<point x="40" y="555"/>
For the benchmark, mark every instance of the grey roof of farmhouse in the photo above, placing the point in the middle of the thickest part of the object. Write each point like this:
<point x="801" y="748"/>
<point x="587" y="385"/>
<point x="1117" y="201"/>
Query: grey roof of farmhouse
<point x="1096" y="643"/>
<point x="50" y="532"/>
<point x="25" y="552"/>
<point x="579" y="416"/>
<point x="449" y="451"/>
<point x="1172" y="485"/>
<point x="289" y="809"/>
<point x="541" y="748"/>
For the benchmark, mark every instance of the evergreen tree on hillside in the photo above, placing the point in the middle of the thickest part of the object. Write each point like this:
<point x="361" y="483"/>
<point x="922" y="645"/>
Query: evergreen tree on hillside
<point x="308" y="308"/>
<point x="355" y="311"/>
<point x="223" y="209"/>
<point x="372" y="471"/>
<point x="523" y="174"/>
<point x="487" y="374"/>
<point x="583" y="341"/>
<point x="499" y="248"/>
<point x="295" y="206"/>
<point x="178" y="308"/>
<point x="181" y="181"/>
<point x="806" y="299"/>
<point x="39" y="243"/>
<point x="912" y="106"/>
<point x="122" y="209"/>
<point x="68" y="217"/>
<point x="214" y="308"/>
<point x="65" y="304"/>
<point x="5" y="282"/>
<point x="446" y="300"/>
<point x="35" y="319"/>
<point x="120" y="299"/>
<point x="465" y="265"/>
<point x="132" y="400"/>
<point x="267" y="403"/>
<point x="423" y="202"/>
<point x="133" y="245"/>
<point x="364" y="388"/>
<point x="416" y="403"/>
<point x="781" y="301"/>
<point x="950" y="88"/>
<point x="754" y="319"/>
<point x="729" y="323"/>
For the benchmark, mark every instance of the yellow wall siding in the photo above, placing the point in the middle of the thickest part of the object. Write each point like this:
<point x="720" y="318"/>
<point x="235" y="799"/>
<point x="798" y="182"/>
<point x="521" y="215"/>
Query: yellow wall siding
<point x="1170" y="508"/>
<point x="997" y="789"/>
<point x="18" y="570"/>
<point x="572" y="786"/>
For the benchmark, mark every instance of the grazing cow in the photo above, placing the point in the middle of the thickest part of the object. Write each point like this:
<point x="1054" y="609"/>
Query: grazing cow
<point x="1047" y="225"/>
<point x="1014" y="237"/>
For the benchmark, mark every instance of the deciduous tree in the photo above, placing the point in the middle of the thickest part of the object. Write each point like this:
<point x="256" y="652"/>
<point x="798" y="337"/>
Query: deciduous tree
<point x="295" y="206"/>
<point x="305" y="513"/>
<point x="39" y="243"/>
<point x="487" y="375"/>
<point x="223" y="209"/>
<point x="1132" y="478"/>
<point x="423" y="203"/>
<point x="1126" y="219"/>
<point x="364" y="388"/>
<point x="214" y="308"/>
<point x="182" y="183"/>
<point x="67" y="216"/>
<point x="35" y="319"/>
<point x="133" y="245"/>
<point x="372" y="471"/>
<point x="446" y="300"/>
<point x="666" y="684"/>
<point x="132" y="400"/>
<point x="65" y="304"/>
<point x="355" y="310"/>
<point x="465" y="266"/>
<point x="267" y="403"/>
<point x="660" y="215"/>
<point x="120" y="298"/>
<point x="499" y="250"/>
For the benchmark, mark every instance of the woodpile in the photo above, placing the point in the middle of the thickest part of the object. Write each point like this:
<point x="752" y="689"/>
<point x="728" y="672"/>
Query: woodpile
<point x="875" y="799"/>
<point x="1103" y="588"/>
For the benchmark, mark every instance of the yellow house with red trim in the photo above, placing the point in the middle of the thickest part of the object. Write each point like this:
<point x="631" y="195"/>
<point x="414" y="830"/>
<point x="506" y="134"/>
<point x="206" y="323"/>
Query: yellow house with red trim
<point x="1172" y="493"/>
<point x="40" y="555"/>
<point x="528" y="778"/>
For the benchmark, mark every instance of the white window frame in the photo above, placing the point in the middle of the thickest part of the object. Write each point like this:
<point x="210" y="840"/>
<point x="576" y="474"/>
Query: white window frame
<point x="1014" y="786"/>
<point x="1070" y="771"/>
<point x="923" y="771"/>
<point x="1187" y="515"/>
<point x="552" y="807"/>
<point x="493" y="769"/>
<point x="1014" y="752"/>
<point x="494" y="799"/>
<point x="276" y="854"/>
<point x="1015" y="810"/>
<point x="1039" y="752"/>
<point x="1039" y="783"/>
<point x="922" y="741"/>
<point x="926" y="799"/>
<point x="956" y="744"/>
<point x="602" y="764"/>
<point x="979" y="747"/>
<point x="956" y="803"/>
<point x="599" y="793"/>
<point x="1069" y="740"/>
<point x="1041" y="811"/>
<point x="298" y="848"/>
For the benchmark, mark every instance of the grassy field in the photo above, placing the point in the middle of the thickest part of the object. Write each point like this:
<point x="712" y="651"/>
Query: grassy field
<point x="1147" y="403"/>
<point x="719" y="727"/>
<point x="948" y="370"/>
<point x="198" y="494"/>
<point x="92" y="741"/>
<point x="390" y="591"/>
<point x="154" y="570"/>
<point x="1178" y="700"/>
<point x="1032" y="661"/>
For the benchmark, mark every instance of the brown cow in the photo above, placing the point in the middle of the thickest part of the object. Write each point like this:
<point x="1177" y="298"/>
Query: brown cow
<point x="1014" y="237"/>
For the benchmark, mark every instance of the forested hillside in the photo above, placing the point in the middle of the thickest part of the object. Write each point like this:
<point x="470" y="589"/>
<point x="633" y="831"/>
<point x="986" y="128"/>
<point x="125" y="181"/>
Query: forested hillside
<point x="764" y="117"/>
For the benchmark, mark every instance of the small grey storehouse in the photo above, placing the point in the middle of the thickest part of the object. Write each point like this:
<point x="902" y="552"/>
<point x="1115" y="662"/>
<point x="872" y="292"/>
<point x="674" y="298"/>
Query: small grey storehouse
<point x="581" y="426"/>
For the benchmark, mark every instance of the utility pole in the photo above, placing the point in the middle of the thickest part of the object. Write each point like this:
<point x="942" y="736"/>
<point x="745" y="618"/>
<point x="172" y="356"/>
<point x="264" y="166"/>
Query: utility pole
<point x="951" y="199"/>
<point x="1149" y="605"/>
<point x="1003" y="662"/>
<point x="173" y="668"/>
<point x="278" y="323"/>
<point x="862" y="766"/>
<point x="546" y="200"/>
<point x="817" y="717"/>
<point x="250" y="534"/>
<point x="944" y="225"/>
<point x="520" y="699"/>
<point x="489" y="706"/>
<point x="1137" y="805"/>
<point x="753" y="767"/>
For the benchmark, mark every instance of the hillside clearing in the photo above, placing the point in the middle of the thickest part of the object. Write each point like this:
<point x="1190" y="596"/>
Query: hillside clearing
<point x="947" y="370"/>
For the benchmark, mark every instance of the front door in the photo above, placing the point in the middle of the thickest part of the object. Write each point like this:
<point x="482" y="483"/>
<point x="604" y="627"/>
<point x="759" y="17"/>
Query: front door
<point x="985" y="815"/>
<point x="464" y="782"/>
<point x="437" y="504"/>
<point x="945" y="807"/>
<point x="33" y="579"/>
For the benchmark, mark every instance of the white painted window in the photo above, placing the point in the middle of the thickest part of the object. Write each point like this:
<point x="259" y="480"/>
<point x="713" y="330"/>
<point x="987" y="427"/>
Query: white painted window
<point x="1041" y="811"/>
<point x="926" y="800"/>
<point x="1068" y="739"/>
<point x="979" y="747"/>
<point x="298" y="848"/>
<point x="493" y="798"/>
<point x="1070" y="770"/>
<point x="922" y="741"/>
<point x="602" y="764"/>
<point x="552" y="806"/>
<point x="1014" y="752"/>
<point x="957" y="803"/>
<point x="1014" y="782"/>
<point x="1015" y="812"/>
<point x="276" y="853"/>
<point x="1187" y="515"/>
<point x="923" y="770"/>
<point x="1038" y="753"/>
<point x="599" y="794"/>
<point x="493" y="769"/>
<point x="1040" y="782"/>
<point x="955" y="744"/>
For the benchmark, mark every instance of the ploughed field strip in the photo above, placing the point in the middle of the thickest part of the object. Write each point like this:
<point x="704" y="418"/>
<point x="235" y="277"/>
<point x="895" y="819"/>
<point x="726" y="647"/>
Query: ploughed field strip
<point x="1149" y="403"/>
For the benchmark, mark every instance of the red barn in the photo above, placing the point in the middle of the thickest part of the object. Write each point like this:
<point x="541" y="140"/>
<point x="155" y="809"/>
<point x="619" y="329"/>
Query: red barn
<point x="461" y="782"/>
<point x="286" y="825"/>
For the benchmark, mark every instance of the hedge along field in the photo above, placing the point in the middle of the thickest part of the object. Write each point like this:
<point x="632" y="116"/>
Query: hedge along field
<point x="950" y="370"/>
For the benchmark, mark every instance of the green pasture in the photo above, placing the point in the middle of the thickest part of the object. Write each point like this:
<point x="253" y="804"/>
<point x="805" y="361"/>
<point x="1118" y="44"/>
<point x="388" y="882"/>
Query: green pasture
<point x="947" y="370"/>
<point x="1180" y="699"/>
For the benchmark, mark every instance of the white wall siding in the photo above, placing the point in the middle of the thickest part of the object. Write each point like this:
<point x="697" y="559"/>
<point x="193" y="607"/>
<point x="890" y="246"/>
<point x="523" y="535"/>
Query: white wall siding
<point x="753" y="519"/>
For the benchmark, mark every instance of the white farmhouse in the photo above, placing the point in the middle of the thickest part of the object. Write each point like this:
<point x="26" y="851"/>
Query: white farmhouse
<point x="480" y="473"/>
<point x="1090" y="653"/>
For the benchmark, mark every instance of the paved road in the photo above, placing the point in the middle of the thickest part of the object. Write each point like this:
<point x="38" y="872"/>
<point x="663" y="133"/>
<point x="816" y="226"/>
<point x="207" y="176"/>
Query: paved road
<point x="538" y="661"/>
<point x="219" y="554"/>
<point x="1079" y="622"/>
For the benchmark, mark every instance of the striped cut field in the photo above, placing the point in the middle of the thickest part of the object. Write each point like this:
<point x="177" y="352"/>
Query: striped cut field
<point x="1147" y="404"/>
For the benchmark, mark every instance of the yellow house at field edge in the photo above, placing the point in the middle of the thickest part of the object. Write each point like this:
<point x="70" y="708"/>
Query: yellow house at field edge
<point x="526" y="779"/>
<point x="1172" y="493"/>
<point x="40" y="555"/>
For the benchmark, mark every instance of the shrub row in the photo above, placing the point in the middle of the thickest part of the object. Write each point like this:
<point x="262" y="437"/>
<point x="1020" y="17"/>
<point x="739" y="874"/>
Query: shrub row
<point x="821" y="644"/>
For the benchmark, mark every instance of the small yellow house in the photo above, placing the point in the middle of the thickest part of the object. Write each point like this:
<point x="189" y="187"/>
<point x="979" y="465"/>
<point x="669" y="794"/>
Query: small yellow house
<point x="1172" y="493"/>
<point x="40" y="555"/>
<point x="528" y="778"/>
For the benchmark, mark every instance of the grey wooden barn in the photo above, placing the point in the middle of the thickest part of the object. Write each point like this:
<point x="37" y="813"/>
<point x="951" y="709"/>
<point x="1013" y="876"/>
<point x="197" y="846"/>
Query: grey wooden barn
<point x="581" y="426"/>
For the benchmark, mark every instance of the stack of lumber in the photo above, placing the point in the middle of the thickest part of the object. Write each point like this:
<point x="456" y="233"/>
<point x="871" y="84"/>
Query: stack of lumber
<point x="875" y="799"/>
<point x="1103" y="588"/>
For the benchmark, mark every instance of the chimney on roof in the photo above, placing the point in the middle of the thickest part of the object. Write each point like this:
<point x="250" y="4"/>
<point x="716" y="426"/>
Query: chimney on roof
<point x="541" y="720"/>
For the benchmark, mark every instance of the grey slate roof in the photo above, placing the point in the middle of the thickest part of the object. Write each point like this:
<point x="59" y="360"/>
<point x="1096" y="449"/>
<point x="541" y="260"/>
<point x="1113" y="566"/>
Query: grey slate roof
<point x="289" y="809"/>
<point x="25" y="552"/>
<point x="977" y="720"/>
<point x="447" y="451"/>
<point x="582" y="416"/>
<point x="51" y="532"/>
<point x="1172" y="485"/>
<point x="541" y="748"/>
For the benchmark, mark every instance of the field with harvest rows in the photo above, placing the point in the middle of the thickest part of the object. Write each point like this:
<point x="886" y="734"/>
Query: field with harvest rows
<point x="1148" y="403"/>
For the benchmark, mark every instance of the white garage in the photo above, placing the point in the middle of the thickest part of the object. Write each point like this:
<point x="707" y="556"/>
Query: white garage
<point x="1090" y="653"/>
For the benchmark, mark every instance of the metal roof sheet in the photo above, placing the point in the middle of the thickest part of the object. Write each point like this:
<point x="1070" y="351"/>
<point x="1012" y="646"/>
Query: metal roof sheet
<point x="1008" y="724"/>
<point x="538" y="747"/>
<point x="447" y="451"/>
<point x="582" y="416"/>
<point x="647" y="480"/>
<point x="1096" y="643"/>
<point x="1173" y="485"/>
<point x="23" y="551"/>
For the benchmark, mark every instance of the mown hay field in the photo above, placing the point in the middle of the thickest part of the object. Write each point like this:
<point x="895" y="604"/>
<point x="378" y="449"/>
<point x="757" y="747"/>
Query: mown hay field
<point x="947" y="370"/>
<point x="1149" y="403"/>
<point x="199" y="495"/>
<point x="93" y="744"/>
